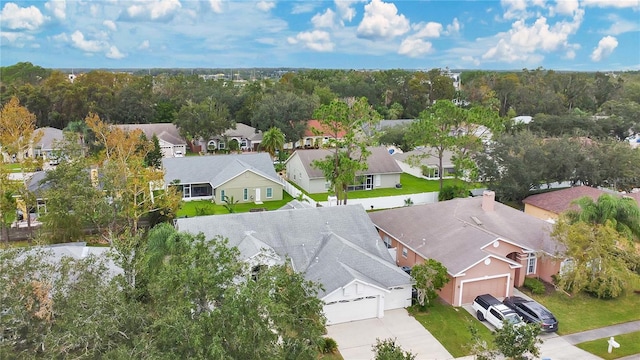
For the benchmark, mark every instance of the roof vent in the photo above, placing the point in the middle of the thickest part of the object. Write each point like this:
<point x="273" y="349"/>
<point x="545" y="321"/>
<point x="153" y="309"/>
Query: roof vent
<point x="476" y="220"/>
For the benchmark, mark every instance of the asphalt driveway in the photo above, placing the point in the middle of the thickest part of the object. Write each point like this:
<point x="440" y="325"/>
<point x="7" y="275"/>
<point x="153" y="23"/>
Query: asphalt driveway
<point x="355" y="339"/>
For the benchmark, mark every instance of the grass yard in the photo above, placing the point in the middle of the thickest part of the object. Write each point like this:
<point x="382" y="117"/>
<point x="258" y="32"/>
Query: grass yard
<point x="629" y="345"/>
<point x="410" y="185"/>
<point x="335" y="356"/>
<point x="15" y="168"/>
<point x="582" y="312"/>
<point x="205" y="207"/>
<point x="450" y="326"/>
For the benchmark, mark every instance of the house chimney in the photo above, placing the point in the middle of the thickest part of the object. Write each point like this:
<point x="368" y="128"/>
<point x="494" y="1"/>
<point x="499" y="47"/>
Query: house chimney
<point x="488" y="199"/>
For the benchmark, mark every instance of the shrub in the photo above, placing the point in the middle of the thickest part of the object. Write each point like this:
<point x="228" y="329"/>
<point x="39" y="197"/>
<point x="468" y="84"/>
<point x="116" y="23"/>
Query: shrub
<point x="534" y="285"/>
<point x="449" y="192"/>
<point x="329" y="346"/>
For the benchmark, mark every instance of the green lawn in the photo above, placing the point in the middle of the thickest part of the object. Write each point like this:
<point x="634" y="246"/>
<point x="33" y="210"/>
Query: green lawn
<point x="335" y="356"/>
<point x="582" y="312"/>
<point x="629" y="345"/>
<point x="205" y="207"/>
<point x="450" y="325"/>
<point x="410" y="185"/>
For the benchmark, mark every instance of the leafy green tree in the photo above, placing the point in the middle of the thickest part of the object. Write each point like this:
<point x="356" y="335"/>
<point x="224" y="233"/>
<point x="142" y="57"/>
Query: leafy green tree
<point x="272" y="141"/>
<point x="349" y="153"/>
<point x="429" y="277"/>
<point x="622" y="213"/>
<point x="387" y="349"/>
<point x="519" y="342"/>
<point x="595" y="264"/>
<point x="284" y="110"/>
<point x="396" y="135"/>
<point x="153" y="158"/>
<point x="205" y="120"/>
<point x="449" y="192"/>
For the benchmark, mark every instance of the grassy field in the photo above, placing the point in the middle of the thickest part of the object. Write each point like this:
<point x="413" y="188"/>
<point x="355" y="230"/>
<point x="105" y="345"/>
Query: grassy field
<point x="450" y="325"/>
<point x="629" y="345"/>
<point x="582" y="312"/>
<point x="205" y="207"/>
<point x="410" y="185"/>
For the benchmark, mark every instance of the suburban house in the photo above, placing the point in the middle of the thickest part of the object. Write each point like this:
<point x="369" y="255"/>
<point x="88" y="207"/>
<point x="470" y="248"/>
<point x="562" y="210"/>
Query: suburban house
<point x="383" y="171"/>
<point x="382" y="125"/>
<point x="486" y="246"/>
<point x="247" y="177"/>
<point x="549" y="205"/>
<point x="315" y="136"/>
<point x="247" y="137"/>
<point x="336" y="247"/>
<point x="171" y="143"/>
<point x="424" y="161"/>
<point x="48" y="144"/>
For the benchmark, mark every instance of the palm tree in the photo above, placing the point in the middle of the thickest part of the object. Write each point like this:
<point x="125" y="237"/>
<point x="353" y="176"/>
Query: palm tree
<point x="272" y="141"/>
<point x="622" y="213"/>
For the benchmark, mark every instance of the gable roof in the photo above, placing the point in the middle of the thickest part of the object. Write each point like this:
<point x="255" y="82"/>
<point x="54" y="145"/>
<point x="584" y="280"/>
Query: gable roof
<point x="317" y="126"/>
<point x="49" y="136"/>
<point x="332" y="246"/>
<point x="164" y="131"/>
<point x="218" y="169"/>
<point x="559" y="201"/>
<point x="425" y="156"/>
<point x="380" y="161"/>
<point x="244" y="131"/>
<point x="448" y="231"/>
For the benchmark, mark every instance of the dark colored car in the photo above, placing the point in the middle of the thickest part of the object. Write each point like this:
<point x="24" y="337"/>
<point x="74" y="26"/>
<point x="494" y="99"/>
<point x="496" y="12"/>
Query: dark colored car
<point x="532" y="312"/>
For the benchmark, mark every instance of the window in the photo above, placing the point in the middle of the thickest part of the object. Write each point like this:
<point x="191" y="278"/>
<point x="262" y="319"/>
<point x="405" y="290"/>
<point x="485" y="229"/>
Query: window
<point x="221" y="144"/>
<point x="387" y="241"/>
<point x="531" y="263"/>
<point x="222" y="195"/>
<point x="496" y="314"/>
<point x="405" y="252"/>
<point x="245" y="194"/>
<point x="269" y="193"/>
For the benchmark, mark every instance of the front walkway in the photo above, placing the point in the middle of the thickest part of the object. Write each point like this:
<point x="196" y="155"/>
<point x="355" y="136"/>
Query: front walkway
<point x="355" y="339"/>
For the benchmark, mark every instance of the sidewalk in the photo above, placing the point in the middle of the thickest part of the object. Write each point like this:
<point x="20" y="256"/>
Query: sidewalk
<point x="604" y="332"/>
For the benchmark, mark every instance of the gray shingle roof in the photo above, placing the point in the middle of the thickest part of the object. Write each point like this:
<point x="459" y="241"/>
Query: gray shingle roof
<point x="453" y="237"/>
<point x="217" y="169"/>
<point x="379" y="162"/>
<point x="332" y="246"/>
<point x="425" y="156"/>
<point x="164" y="131"/>
<point x="49" y="137"/>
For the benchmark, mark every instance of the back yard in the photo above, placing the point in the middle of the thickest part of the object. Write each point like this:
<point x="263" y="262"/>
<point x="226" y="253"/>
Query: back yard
<point x="206" y="207"/>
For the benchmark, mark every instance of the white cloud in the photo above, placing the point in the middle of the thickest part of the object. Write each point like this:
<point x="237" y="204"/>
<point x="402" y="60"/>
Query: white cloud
<point x="620" y="26"/>
<point x="155" y="10"/>
<point x="316" y="40"/>
<point x="62" y="37"/>
<point x="430" y="29"/>
<point x="58" y="8"/>
<point x="605" y="47"/>
<point x="303" y="8"/>
<point x="565" y="7"/>
<point x="78" y="40"/>
<point x="110" y="25"/>
<point x="16" y="38"/>
<point x="471" y="59"/>
<point x="326" y="20"/>
<point x="414" y="47"/>
<point x="266" y="5"/>
<point x="216" y="6"/>
<point x="382" y="21"/>
<point x="114" y="53"/>
<point x="144" y="45"/>
<point x="612" y="3"/>
<point x="16" y="18"/>
<point x="513" y="8"/>
<point x="454" y="27"/>
<point x="345" y="9"/>
<point x="523" y="41"/>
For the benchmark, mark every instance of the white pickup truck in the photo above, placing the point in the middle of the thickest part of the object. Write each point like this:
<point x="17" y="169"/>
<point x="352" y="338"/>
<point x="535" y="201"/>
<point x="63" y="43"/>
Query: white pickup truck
<point x="491" y="309"/>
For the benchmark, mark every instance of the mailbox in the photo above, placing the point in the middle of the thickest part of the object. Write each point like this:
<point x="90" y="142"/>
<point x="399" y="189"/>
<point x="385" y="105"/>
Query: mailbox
<point x="612" y="344"/>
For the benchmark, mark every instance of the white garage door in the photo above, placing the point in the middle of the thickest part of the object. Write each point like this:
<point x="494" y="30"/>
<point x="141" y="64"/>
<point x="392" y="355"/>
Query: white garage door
<point x="351" y="310"/>
<point x="496" y="287"/>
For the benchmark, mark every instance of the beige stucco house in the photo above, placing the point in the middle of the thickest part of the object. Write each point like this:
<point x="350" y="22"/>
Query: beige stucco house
<point x="247" y="177"/>
<point x="171" y="143"/>
<point x="382" y="172"/>
<point x="487" y="247"/>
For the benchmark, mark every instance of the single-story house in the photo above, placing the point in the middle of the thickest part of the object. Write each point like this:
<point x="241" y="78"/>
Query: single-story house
<point x="336" y="247"/>
<point x="171" y="143"/>
<point x="48" y="144"/>
<point x="315" y="136"/>
<point x="247" y="177"/>
<point x="248" y="138"/>
<point x="382" y="172"/>
<point x="549" y="205"/>
<point x="427" y="157"/>
<point x="487" y="247"/>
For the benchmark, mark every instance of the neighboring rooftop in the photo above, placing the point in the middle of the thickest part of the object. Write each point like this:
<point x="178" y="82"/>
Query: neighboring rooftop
<point x="559" y="201"/>
<point x="380" y="161"/>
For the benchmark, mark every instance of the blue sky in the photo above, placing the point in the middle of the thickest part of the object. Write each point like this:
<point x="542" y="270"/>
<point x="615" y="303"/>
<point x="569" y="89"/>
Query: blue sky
<point x="582" y="35"/>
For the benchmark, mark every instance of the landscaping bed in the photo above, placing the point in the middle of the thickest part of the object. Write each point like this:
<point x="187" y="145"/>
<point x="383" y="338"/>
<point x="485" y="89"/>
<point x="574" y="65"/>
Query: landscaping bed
<point x="450" y="326"/>
<point x="206" y="207"/>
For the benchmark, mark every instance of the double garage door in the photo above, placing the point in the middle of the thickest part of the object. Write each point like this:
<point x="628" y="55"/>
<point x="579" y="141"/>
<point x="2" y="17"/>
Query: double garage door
<point x="495" y="286"/>
<point x="351" y="310"/>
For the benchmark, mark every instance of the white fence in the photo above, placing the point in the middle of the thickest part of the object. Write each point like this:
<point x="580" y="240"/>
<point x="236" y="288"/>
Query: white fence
<point x="388" y="202"/>
<point x="293" y="191"/>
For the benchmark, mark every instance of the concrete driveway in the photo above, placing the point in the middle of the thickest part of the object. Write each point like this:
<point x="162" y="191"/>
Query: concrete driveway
<point x="355" y="339"/>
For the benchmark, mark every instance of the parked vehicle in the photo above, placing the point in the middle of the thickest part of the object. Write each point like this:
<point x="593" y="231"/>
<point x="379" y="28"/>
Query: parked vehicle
<point x="491" y="309"/>
<point x="533" y="312"/>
